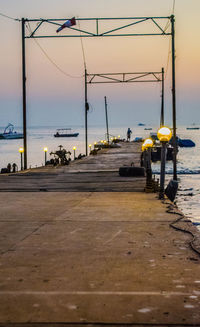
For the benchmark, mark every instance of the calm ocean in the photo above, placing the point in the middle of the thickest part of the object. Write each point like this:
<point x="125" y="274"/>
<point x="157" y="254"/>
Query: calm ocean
<point x="188" y="199"/>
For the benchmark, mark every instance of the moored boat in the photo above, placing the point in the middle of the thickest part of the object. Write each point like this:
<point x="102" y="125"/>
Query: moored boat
<point x="9" y="133"/>
<point x="65" y="132"/>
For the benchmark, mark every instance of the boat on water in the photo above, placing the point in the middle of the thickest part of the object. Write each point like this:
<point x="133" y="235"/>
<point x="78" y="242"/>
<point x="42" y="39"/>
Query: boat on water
<point x="192" y="127"/>
<point x="65" y="132"/>
<point x="10" y="134"/>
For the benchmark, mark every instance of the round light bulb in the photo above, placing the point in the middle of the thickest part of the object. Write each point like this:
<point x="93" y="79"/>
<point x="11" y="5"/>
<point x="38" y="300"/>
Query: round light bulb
<point x="21" y="150"/>
<point x="148" y="143"/>
<point x="74" y="148"/>
<point x="45" y="149"/>
<point x="164" y="134"/>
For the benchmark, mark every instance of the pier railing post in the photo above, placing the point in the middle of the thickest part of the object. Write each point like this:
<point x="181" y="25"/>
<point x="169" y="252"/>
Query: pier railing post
<point x="24" y="92"/>
<point x="106" y="112"/>
<point x="174" y="99"/>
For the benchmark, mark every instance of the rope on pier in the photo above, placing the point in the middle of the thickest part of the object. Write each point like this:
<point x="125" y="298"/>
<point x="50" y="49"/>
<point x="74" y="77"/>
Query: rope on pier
<point x="172" y="224"/>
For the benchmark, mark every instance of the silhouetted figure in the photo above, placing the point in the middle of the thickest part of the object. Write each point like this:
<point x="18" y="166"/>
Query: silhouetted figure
<point x="129" y="132"/>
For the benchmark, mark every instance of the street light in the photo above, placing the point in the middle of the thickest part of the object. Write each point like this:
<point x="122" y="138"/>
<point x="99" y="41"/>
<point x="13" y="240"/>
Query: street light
<point x="164" y="135"/>
<point x="21" y="151"/>
<point x="90" y="146"/>
<point x="45" y="149"/>
<point x="146" y="148"/>
<point x="74" y="148"/>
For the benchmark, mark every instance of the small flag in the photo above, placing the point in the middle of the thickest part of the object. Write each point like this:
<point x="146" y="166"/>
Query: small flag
<point x="68" y="23"/>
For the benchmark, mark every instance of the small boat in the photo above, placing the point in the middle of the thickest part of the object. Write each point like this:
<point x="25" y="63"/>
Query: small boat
<point x="148" y="129"/>
<point x="65" y="132"/>
<point x="141" y="124"/>
<point x="192" y="127"/>
<point x="9" y="133"/>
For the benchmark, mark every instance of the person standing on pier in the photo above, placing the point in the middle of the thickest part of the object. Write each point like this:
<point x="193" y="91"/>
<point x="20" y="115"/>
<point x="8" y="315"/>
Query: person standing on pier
<point x="129" y="132"/>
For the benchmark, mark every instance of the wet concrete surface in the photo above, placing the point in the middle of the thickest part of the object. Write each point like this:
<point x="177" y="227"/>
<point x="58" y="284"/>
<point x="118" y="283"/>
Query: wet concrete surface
<point x="95" y="258"/>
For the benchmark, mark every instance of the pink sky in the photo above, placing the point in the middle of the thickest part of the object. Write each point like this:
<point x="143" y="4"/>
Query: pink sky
<point x="47" y="85"/>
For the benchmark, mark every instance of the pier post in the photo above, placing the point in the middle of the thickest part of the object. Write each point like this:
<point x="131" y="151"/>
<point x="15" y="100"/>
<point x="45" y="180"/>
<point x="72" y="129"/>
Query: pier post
<point x="174" y="99"/>
<point x="24" y="92"/>
<point x="162" y="101"/>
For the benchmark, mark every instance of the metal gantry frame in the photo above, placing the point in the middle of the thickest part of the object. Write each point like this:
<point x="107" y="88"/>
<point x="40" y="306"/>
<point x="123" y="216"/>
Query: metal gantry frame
<point x="119" y="78"/>
<point x="127" y="24"/>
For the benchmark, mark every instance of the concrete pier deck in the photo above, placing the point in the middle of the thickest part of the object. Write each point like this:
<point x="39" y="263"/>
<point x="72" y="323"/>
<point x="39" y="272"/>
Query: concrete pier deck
<point x="81" y="245"/>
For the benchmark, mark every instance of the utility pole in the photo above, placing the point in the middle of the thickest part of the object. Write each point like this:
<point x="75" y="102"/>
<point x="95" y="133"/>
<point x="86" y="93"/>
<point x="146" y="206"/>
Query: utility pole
<point x="86" y="111"/>
<point x="106" y="112"/>
<point x="24" y="92"/>
<point x="162" y="101"/>
<point x="174" y="99"/>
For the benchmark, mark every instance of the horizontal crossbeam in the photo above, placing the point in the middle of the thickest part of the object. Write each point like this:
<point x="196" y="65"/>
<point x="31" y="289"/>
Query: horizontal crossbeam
<point x="98" y="27"/>
<point x="135" y="77"/>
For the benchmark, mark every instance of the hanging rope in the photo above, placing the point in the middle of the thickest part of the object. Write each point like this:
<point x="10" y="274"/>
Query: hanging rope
<point x="9" y="17"/>
<point x="52" y="62"/>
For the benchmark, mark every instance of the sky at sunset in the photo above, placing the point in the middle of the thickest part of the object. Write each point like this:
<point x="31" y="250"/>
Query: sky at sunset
<point x="55" y="99"/>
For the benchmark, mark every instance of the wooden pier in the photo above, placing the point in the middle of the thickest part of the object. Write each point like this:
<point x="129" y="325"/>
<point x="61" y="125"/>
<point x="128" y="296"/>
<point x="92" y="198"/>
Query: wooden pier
<point x="81" y="245"/>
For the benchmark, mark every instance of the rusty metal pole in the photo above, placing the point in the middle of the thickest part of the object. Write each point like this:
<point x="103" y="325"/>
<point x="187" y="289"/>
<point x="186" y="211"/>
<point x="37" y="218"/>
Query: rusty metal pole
<point x="24" y="92"/>
<point x="174" y="99"/>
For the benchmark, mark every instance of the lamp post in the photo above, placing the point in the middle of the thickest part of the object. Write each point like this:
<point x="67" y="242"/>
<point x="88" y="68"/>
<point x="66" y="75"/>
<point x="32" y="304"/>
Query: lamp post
<point x="90" y="146"/>
<point x="45" y="149"/>
<point x="74" y="148"/>
<point x="146" y="148"/>
<point x="21" y="151"/>
<point x="164" y="135"/>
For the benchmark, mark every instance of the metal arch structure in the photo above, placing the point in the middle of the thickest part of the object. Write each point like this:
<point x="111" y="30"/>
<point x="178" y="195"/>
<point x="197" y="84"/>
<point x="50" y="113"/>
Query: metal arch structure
<point x="125" y="28"/>
<point x="119" y="78"/>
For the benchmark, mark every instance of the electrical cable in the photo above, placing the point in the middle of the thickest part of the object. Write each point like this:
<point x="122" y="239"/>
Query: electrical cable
<point x="47" y="56"/>
<point x="188" y="231"/>
<point x="9" y="17"/>
<point x="83" y="52"/>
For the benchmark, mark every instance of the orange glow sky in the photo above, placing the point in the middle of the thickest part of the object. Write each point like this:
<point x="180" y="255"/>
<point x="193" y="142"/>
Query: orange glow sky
<point x="53" y="97"/>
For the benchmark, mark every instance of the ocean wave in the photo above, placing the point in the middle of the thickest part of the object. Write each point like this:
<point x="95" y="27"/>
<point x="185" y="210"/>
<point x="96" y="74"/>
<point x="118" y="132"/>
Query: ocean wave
<point x="185" y="171"/>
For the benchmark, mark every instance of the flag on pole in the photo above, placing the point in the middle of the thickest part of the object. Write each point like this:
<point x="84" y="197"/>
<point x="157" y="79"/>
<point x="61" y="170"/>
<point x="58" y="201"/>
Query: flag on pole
<point x="68" y="23"/>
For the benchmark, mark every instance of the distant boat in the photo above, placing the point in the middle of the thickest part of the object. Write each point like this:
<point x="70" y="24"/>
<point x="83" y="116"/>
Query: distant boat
<point x="192" y="127"/>
<point x="148" y="129"/>
<point x="65" y="132"/>
<point x="9" y="133"/>
<point x="141" y="124"/>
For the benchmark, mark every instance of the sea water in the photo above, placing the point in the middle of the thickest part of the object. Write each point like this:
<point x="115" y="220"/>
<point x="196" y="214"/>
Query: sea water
<point x="188" y="159"/>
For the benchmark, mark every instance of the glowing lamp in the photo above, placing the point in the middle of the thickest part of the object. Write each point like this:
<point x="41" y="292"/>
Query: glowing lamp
<point x="164" y="134"/>
<point x="90" y="145"/>
<point x="21" y="150"/>
<point x="45" y="149"/>
<point x="118" y="136"/>
<point x="148" y="143"/>
<point x="74" y="148"/>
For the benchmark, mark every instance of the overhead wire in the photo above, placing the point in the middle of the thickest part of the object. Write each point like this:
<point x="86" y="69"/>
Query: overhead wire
<point x="9" y="17"/>
<point x="82" y="47"/>
<point x="51" y="60"/>
<point x="169" y="48"/>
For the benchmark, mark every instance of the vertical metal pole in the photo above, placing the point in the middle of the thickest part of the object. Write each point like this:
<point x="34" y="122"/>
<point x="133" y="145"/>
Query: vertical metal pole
<point x="74" y="154"/>
<point x="86" y="110"/>
<point x="24" y="92"/>
<point x="21" y="161"/>
<point x="106" y="111"/>
<point x="45" y="157"/>
<point x="162" y="170"/>
<point x="174" y="99"/>
<point x="162" y="101"/>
